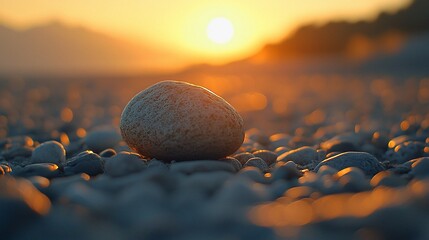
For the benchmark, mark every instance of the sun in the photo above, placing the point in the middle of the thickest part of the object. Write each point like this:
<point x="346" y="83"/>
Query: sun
<point x="220" y="30"/>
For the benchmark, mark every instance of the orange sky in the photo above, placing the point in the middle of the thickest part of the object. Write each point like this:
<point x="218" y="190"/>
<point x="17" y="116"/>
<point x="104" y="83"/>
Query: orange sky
<point x="180" y="26"/>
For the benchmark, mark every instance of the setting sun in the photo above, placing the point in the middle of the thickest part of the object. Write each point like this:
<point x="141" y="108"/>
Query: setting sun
<point x="220" y="30"/>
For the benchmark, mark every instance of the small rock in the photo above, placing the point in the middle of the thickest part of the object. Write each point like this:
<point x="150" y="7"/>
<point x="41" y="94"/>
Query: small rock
<point x="281" y="150"/>
<point x="268" y="156"/>
<point x="256" y="162"/>
<point x="49" y="152"/>
<point x="399" y="140"/>
<point x="302" y="156"/>
<point x="258" y="136"/>
<point x="252" y="173"/>
<point x="341" y="143"/>
<point x="156" y="164"/>
<point x="326" y="170"/>
<point x="207" y="182"/>
<point x="21" y="202"/>
<point x="405" y="151"/>
<point x="59" y="185"/>
<point x="388" y="179"/>
<point x="124" y="163"/>
<point x="286" y="171"/>
<point x="16" y="152"/>
<point x="353" y="180"/>
<point x="39" y="182"/>
<point x="5" y="168"/>
<point x="47" y="170"/>
<point x="85" y="162"/>
<point x="234" y="162"/>
<point x="321" y="154"/>
<point x="365" y="161"/>
<point x="279" y="140"/>
<point x="190" y="167"/>
<point x="243" y="157"/>
<point x="108" y="153"/>
<point x="241" y="192"/>
<point x="102" y="138"/>
<point x="179" y="121"/>
<point x="420" y="168"/>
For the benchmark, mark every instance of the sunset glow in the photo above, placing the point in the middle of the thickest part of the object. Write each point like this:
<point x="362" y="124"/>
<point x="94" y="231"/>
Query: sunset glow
<point x="178" y="35"/>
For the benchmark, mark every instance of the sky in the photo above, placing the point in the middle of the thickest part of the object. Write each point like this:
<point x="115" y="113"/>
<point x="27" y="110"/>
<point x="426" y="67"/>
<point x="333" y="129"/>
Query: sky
<point x="180" y="26"/>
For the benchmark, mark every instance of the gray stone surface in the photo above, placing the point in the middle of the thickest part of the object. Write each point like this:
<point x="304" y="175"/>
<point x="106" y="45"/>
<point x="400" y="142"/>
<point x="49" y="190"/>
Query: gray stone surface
<point x="179" y="121"/>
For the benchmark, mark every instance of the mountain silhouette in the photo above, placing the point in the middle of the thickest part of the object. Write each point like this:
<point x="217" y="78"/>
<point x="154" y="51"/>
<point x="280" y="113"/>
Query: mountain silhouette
<point x="60" y="49"/>
<point x="359" y="39"/>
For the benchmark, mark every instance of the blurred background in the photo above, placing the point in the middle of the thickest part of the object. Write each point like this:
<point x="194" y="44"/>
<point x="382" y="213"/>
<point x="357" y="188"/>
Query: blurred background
<point x="286" y="65"/>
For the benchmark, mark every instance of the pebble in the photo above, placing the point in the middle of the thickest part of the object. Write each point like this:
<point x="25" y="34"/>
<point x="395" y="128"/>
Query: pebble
<point x="420" y="168"/>
<point x="405" y="151"/>
<point x="18" y="155"/>
<point x="326" y="170"/>
<point x="5" y="168"/>
<point x="243" y="157"/>
<point x="49" y="152"/>
<point x="365" y="161"/>
<point x="108" y="153"/>
<point x="302" y="156"/>
<point x="257" y="136"/>
<point x="279" y="140"/>
<point x="234" y="162"/>
<point x="39" y="182"/>
<point x="190" y="167"/>
<point x="268" y="156"/>
<point x="241" y="192"/>
<point x="281" y="150"/>
<point x="252" y="173"/>
<point x="286" y="171"/>
<point x="388" y="179"/>
<point x="102" y="138"/>
<point x="124" y="163"/>
<point x="20" y="201"/>
<point x="256" y="162"/>
<point x="138" y="197"/>
<point x="58" y="185"/>
<point x="179" y="121"/>
<point x="341" y="143"/>
<point x="353" y="179"/>
<point x="47" y="170"/>
<point x="156" y="164"/>
<point x="85" y="162"/>
<point x="206" y="182"/>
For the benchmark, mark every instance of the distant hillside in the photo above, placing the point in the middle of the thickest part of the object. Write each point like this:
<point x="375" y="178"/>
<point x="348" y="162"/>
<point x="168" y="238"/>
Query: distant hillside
<point x="387" y="33"/>
<point x="57" y="48"/>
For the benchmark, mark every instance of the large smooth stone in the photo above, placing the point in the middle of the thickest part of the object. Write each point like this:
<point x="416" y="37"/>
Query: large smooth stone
<point x="365" y="161"/>
<point x="179" y="121"/>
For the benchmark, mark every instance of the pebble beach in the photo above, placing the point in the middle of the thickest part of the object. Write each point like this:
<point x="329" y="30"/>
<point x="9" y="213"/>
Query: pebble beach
<point x="323" y="157"/>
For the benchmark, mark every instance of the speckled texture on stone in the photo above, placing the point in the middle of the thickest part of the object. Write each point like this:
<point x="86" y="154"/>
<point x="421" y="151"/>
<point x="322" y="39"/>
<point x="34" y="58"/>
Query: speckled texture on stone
<point x="179" y="121"/>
